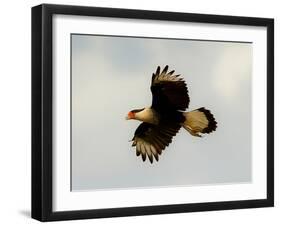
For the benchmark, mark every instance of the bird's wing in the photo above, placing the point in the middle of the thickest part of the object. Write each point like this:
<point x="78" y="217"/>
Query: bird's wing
<point x="150" y="140"/>
<point x="169" y="92"/>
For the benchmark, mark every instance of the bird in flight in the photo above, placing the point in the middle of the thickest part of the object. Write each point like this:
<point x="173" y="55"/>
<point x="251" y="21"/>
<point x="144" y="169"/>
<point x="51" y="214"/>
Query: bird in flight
<point x="165" y="117"/>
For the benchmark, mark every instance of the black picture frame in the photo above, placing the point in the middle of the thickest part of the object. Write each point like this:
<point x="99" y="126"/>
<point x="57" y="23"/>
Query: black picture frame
<point x="42" y="106"/>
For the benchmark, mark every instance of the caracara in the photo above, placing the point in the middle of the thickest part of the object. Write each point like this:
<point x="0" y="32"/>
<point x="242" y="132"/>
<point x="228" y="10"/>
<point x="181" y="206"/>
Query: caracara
<point x="167" y="115"/>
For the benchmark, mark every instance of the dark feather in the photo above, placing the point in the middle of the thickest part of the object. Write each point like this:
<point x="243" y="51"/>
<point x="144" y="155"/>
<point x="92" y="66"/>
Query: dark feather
<point x="212" y="125"/>
<point x="154" y="138"/>
<point x="169" y="92"/>
<point x="165" y="70"/>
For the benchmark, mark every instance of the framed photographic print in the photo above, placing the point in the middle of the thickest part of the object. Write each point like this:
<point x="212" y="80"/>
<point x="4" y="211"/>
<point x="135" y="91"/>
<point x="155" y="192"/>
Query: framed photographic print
<point x="145" y="112"/>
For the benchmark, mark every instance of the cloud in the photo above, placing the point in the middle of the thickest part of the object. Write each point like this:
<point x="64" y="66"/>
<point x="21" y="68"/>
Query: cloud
<point x="233" y="70"/>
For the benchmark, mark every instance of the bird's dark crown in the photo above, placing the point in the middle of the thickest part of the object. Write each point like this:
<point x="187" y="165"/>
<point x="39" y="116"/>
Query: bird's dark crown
<point x="137" y="110"/>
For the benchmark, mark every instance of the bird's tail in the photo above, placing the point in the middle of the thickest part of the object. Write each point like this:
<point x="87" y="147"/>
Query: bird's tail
<point x="199" y="121"/>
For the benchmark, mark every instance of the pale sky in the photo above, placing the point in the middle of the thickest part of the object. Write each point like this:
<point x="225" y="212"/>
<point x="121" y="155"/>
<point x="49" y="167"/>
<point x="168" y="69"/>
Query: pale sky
<point x="112" y="75"/>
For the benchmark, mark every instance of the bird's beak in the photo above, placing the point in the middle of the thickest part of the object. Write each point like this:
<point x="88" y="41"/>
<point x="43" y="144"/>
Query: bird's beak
<point x="130" y="115"/>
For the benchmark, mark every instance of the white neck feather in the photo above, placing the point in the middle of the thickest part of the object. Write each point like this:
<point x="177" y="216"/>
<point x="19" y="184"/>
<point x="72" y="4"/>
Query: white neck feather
<point x="147" y="115"/>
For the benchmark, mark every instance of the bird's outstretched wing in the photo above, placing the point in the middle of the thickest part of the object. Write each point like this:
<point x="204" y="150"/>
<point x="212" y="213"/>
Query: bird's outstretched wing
<point x="169" y="92"/>
<point x="150" y="140"/>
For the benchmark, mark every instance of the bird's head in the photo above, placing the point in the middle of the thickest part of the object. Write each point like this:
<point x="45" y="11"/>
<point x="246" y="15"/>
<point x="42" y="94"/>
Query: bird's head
<point x="132" y="114"/>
